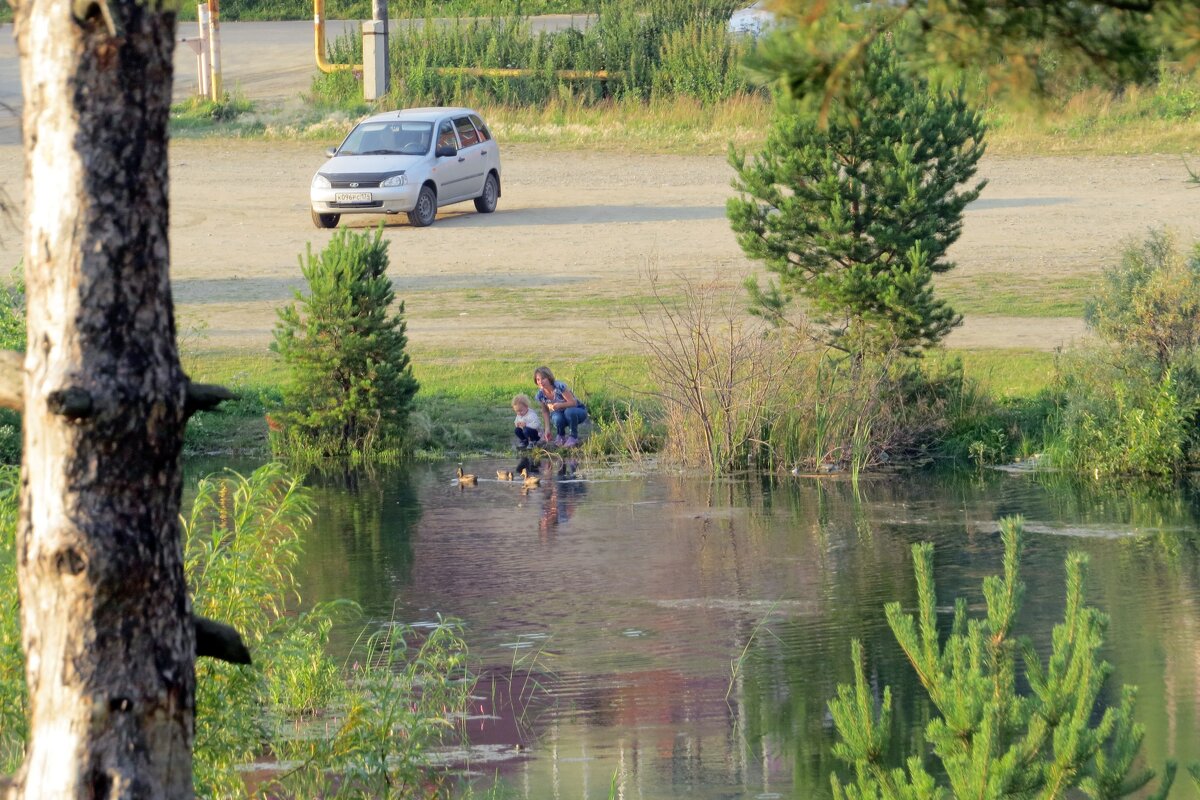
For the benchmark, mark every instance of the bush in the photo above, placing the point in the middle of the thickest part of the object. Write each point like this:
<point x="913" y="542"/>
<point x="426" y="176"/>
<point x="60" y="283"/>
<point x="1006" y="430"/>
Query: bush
<point x="1126" y="418"/>
<point x="1133" y="404"/>
<point x="1150" y="302"/>
<point x="351" y="381"/>
<point x="990" y="740"/>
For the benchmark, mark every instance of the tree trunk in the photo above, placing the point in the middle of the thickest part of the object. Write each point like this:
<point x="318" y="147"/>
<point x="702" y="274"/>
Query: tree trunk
<point x="105" y="615"/>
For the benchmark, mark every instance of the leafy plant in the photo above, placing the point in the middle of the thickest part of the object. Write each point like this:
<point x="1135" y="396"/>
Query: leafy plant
<point x="14" y="698"/>
<point x="12" y="337"/>
<point x="362" y="730"/>
<point x="351" y="380"/>
<point x="855" y="216"/>
<point x="1131" y="406"/>
<point x="990" y="740"/>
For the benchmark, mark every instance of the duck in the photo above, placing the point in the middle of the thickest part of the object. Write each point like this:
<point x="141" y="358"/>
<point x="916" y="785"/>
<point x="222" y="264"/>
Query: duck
<point x="504" y="475"/>
<point x="466" y="478"/>
<point x="530" y="480"/>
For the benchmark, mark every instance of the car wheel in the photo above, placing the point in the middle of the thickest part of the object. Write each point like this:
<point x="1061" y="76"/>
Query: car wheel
<point x="486" y="202"/>
<point x="425" y="211"/>
<point x="326" y="220"/>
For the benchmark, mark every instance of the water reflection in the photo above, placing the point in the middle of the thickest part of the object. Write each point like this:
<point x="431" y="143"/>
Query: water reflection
<point x="688" y="633"/>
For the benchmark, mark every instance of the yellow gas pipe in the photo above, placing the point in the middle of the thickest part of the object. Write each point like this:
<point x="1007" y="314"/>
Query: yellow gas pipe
<point x="476" y="72"/>
<point x="319" y="42"/>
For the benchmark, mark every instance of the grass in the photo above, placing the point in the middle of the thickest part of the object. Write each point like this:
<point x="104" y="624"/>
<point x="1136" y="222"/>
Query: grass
<point x="682" y="125"/>
<point x="1006" y="373"/>
<point x="1017" y="294"/>
<point x="463" y="405"/>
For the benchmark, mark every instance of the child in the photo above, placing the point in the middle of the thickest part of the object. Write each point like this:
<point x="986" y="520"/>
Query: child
<point x="528" y="423"/>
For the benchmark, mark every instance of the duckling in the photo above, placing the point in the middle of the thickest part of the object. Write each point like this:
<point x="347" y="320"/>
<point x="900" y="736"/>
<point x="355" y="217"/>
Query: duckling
<point x="504" y="475"/>
<point x="466" y="478"/>
<point x="530" y="480"/>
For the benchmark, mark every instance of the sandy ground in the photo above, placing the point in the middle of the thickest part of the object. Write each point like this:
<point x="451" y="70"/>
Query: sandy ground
<point x="559" y="267"/>
<point x="551" y="273"/>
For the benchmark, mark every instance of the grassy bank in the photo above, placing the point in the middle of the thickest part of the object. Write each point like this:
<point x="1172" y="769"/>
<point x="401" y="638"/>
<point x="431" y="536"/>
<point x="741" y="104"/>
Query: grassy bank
<point x="463" y="405"/>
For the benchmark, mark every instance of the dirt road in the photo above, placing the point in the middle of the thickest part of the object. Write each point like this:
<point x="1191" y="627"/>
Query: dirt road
<point x="565" y="256"/>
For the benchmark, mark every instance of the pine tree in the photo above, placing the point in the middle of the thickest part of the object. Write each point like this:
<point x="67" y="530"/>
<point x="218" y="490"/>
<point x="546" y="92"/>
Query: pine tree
<point x="856" y="216"/>
<point x="351" y="381"/>
<point x="993" y="742"/>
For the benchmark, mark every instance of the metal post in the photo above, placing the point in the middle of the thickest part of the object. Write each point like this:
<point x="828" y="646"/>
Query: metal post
<point x="202" y="51"/>
<point x="214" y="33"/>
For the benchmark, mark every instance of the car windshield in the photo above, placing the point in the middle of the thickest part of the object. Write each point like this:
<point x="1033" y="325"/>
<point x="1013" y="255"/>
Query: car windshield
<point x="388" y="138"/>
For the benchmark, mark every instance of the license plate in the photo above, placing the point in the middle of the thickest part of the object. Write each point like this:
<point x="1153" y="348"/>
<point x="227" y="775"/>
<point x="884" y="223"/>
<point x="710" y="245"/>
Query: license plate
<point x="353" y="197"/>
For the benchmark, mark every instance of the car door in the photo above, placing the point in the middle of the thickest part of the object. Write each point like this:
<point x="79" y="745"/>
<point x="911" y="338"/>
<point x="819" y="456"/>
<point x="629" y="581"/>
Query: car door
<point x="450" y="171"/>
<point x="472" y="149"/>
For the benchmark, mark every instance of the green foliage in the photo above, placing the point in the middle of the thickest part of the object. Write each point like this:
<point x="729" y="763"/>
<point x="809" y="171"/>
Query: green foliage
<point x="351" y="381"/>
<point x="990" y="740"/>
<point x="1126" y="418"/>
<point x="12" y="337"/>
<point x="1132" y="406"/>
<point x="362" y="731"/>
<point x="856" y="216"/>
<point x="14" y="698"/>
<point x="1026" y="47"/>
<point x="1150" y="301"/>
<point x="361" y="9"/>
<point x="665" y="48"/>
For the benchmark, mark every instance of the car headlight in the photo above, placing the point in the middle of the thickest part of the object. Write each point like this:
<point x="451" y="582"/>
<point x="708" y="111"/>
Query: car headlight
<point x="319" y="181"/>
<point x="395" y="180"/>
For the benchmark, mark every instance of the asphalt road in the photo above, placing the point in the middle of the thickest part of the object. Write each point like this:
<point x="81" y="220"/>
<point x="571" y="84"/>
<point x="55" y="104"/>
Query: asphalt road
<point x="264" y="61"/>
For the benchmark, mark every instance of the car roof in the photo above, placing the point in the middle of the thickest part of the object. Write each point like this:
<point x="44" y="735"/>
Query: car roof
<point x="429" y="114"/>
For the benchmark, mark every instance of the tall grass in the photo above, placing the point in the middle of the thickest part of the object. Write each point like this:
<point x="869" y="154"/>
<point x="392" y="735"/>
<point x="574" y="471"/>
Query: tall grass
<point x="668" y="48"/>
<point x="249" y="10"/>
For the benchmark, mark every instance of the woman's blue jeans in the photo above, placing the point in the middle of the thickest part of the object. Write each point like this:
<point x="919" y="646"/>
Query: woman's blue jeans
<point x="572" y="416"/>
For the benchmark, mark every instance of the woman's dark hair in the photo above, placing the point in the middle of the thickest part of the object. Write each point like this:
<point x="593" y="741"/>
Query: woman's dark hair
<point x="545" y="373"/>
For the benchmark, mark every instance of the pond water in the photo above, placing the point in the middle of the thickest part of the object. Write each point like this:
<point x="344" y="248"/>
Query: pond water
<point x="686" y="634"/>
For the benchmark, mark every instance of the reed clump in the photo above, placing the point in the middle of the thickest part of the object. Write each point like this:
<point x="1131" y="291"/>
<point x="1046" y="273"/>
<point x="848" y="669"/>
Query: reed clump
<point x="731" y="391"/>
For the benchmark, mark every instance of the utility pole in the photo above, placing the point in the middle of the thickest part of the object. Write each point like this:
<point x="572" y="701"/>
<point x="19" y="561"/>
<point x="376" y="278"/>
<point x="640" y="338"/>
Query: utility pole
<point x="379" y="15"/>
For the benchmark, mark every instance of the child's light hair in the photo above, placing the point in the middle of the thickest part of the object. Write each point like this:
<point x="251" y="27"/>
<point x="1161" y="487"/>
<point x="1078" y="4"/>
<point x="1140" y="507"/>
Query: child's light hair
<point x="523" y="399"/>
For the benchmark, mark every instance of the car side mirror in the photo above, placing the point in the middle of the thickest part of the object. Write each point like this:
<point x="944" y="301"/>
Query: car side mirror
<point x="330" y="152"/>
<point x="446" y="151"/>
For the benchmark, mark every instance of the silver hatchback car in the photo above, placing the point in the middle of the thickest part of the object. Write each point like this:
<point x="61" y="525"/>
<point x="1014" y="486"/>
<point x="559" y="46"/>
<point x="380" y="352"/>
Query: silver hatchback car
<point x="415" y="161"/>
